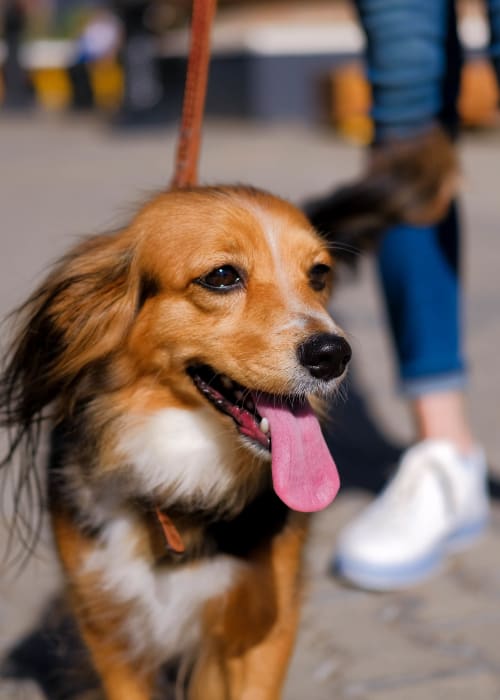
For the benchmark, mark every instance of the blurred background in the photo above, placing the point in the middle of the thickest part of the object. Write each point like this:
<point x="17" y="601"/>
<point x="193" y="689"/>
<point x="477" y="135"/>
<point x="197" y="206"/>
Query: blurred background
<point x="272" y="60"/>
<point x="90" y="97"/>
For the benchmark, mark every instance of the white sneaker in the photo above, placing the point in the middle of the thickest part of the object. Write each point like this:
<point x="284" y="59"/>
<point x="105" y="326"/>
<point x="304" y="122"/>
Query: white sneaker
<point x="437" y="502"/>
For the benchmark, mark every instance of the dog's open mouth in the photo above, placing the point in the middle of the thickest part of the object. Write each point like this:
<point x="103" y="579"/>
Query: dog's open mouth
<point x="234" y="400"/>
<point x="304" y="474"/>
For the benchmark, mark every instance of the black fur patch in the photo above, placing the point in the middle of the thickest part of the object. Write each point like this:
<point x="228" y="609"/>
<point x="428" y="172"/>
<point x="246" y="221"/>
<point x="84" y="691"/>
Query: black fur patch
<point x="149" y="287"/>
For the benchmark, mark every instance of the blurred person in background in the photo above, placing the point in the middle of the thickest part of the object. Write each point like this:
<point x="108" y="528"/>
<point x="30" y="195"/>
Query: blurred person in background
<point x="18" y="89"/>
<point x="437" y="500"/>
<point x="143" y="88"/>
<point x="99" y="39"/>
<point x="143" y="22"/>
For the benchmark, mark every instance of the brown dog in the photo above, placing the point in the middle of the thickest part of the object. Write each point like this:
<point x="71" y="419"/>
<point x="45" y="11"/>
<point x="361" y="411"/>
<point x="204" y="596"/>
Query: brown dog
<point x="174" y="360"/>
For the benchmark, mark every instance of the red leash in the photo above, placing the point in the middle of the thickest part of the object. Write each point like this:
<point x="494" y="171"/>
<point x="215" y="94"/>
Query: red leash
<point x="186" y="161"/>
<point x="188" y="147"/>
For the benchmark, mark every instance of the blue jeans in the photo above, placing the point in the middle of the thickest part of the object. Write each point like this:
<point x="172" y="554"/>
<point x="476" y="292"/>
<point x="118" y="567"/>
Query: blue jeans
<point x="494" y="18"/>
<point x="414" y="60"/>
<point x="419" y="274"/>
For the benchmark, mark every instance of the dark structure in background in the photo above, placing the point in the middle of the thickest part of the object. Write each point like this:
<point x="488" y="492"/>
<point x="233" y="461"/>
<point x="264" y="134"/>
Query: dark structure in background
<point x="82" y="97"/>
<point x="19" y="92"/>
<point x="260" y="86"/>
<point x="144" y="89"/>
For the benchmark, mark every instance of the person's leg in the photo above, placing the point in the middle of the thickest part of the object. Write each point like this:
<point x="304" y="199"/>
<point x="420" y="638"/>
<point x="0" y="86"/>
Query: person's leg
<point x="438" y="495"/>
<point x="420" y="277"/>
<point x="414" y="62"/>
<point x="419" y="271"/>
<point x="442" y="415"/>
<point x="494" y="18"/>
<point x="406" y="62"/>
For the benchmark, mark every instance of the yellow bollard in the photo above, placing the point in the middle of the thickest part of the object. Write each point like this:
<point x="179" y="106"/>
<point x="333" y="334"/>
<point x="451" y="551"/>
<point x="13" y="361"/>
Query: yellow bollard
<point x="52" y="87"/>
<point x="106" y="78"/>
<point x="478" y="101"/>
<point x="351" y="101"/>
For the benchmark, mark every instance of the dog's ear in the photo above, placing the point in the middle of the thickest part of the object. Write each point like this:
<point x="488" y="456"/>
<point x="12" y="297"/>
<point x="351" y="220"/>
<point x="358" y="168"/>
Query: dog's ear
<point x="408" y="181"/>
<point x="79" y="316"/>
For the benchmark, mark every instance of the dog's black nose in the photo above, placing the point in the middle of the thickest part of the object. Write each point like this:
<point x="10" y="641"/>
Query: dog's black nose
<point x="325" y="355"/>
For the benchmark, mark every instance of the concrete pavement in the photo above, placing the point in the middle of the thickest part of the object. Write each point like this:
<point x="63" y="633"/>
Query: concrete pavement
<point x="60" y="179"/>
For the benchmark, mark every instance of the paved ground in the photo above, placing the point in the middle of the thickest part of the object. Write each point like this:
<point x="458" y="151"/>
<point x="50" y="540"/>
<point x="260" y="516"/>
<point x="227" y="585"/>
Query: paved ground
<point x="440" y="640"/>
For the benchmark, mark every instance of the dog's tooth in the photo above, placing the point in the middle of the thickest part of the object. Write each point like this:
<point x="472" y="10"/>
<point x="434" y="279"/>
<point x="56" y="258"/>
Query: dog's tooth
<point x="226" y="382"/>
<point x="264" y="425"/>
<point x="239" y="394"/>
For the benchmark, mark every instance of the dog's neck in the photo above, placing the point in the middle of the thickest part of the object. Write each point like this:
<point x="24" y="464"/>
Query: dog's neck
<point x="178" y="532"/>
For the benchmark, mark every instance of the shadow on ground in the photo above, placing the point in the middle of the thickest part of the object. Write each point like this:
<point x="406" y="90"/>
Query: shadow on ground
<point x="54" y="656"/>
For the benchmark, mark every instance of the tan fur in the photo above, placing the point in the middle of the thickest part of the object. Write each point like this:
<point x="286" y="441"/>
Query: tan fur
<point x="249" y="637"/>
<point x="99" y="618"/>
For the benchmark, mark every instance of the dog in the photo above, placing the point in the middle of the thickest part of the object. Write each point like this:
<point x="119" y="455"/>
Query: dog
<point x="176" y="362"/>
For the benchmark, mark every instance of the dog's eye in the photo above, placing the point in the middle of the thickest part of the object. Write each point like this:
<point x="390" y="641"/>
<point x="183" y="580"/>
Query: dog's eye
<point x="318" y="276"/>
<point x="222" y="279"/>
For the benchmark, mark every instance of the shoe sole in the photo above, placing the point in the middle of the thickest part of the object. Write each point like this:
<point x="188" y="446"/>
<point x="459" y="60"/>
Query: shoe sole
<point x="393" y="578"/>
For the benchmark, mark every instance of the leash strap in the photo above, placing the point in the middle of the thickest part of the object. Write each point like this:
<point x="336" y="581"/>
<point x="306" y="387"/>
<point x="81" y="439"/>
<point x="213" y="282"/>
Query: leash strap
<point x="188" y="147"/>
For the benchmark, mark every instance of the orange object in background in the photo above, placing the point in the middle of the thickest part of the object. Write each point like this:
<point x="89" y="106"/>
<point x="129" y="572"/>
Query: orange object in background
<point x="351" y="99"/>
<point x="106" y="79"/>
<point x="52" y="87"/>
<point x="54" y="90"/>
<point x="351" y="102"/>
<point x="479" y="94"/>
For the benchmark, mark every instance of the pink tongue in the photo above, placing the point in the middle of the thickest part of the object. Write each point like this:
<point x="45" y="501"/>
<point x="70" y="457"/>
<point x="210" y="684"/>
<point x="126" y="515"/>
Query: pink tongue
<point x="304" y="474"/>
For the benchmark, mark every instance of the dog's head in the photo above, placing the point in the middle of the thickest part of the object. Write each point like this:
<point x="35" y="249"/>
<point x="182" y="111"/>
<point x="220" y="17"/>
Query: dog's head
<point x="212" y="301"/>
<point x="236" y="287"/>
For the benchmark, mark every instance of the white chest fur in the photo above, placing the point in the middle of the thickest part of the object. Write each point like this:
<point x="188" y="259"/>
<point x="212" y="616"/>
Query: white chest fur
<point x="191" y="455"/>
<point x="164" y="606"/>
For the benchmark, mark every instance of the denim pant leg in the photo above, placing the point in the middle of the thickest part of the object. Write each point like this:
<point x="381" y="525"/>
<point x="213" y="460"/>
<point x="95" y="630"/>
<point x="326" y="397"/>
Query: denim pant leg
<point x="494" y="18"/>
<point x="407" y="62"/>
<point x="414" y="59"/>
<point x="419" y="274"/>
